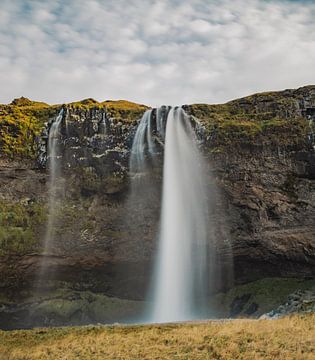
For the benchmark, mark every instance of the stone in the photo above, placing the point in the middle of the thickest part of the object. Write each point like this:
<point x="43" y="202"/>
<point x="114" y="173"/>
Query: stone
<point x="106" y="243"/>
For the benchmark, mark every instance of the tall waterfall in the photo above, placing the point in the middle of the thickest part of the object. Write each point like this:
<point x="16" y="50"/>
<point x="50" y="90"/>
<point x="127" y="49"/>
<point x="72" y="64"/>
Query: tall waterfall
<point x="179" y="281"/>
<point x="54" y="178"/>
<point x="180" y="274"/>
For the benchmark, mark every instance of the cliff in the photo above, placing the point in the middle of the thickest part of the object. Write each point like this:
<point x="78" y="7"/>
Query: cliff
<point x="259" y="149"/>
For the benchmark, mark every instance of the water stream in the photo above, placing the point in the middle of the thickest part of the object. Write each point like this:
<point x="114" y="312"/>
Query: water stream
<point x="180" y="273"/>
<point x="55" y="187"/>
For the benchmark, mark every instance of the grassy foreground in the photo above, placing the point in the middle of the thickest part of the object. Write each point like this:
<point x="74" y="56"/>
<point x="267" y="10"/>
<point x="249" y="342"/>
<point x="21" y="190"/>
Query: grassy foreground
<point x="288" y="338"/>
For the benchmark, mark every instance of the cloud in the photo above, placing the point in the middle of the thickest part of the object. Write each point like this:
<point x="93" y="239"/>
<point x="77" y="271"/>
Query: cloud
<point x="154" y="52"/>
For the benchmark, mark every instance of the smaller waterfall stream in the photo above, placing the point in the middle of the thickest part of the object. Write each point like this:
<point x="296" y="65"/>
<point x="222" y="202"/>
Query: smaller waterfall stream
<point x="54" y="177"/>
<point x="149" y="130"/>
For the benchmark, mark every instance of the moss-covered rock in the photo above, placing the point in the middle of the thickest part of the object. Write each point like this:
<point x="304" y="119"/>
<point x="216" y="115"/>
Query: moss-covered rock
<point x="256" y="298"/>
<point x="277" y="118"/>
<point x="259" y="118"/>
<point x="68" y="307"/>
<point x="19" y="226"/>
<point x="23" y="120"/>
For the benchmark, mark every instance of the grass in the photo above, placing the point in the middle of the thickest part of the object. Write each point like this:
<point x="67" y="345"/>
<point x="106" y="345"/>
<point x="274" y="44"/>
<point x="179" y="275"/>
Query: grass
<point x="229" y="124"/>
<point x="20" y="124"/>
<point x="286" y="338"/>
<point x="23" y="120"/>
<point x="120" y="110"/>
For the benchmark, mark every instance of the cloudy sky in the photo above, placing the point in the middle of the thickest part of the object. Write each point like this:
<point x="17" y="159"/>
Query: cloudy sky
<point x="154" y="52"/>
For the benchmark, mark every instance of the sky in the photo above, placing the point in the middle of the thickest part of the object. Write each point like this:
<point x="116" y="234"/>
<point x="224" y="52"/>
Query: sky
<point x="154" y="52"/>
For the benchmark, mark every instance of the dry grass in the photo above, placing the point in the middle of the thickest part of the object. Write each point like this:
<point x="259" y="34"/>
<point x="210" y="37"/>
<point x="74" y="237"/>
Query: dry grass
<point x="287" y="338"/>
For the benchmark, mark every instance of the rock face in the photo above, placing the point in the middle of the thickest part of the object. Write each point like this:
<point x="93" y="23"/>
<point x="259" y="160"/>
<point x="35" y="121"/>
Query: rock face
<point x="260" y="151"/>
<point x="298" y="302"/>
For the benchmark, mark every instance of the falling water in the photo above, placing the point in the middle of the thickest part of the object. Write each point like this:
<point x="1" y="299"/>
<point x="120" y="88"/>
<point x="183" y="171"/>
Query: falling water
<point x="54" y="178"/>
<point x="103" y="125"/>
<point x="311" y="134"/>
<point x="180" y="275"/>
<point x="149" y="132"/>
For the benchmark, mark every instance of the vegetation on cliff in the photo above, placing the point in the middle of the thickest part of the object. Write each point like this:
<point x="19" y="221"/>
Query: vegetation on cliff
<point x="287" y="338"/>
<point x="120" y="110"/>
<point x="256" y="298"/>
<point x="264" y="118"/>
<point x="269" y="118"/>
<point x="19" y="223"/>
<point x="20" y="123"/>
<point x="23" y="120"/>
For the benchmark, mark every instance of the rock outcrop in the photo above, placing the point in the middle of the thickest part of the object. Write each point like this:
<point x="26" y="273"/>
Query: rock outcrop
<point x="298" y="302"/>
<point x="259" y="149"/>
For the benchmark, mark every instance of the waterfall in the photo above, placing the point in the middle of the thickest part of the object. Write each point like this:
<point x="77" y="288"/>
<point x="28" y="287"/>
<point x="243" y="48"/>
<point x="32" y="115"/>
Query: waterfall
<point x="54" y="177"/>
<point x="311" y="133"/>
<point x="142" y="139"/>
<point x="180" y="274"/>
<point x="179" y="281"/>
<point x="148" y="132"/>
<point x="103" y="125"/>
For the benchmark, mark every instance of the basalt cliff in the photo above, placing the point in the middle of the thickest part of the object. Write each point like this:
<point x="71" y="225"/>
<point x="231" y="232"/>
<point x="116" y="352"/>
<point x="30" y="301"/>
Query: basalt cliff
<point x="261" y="152"/>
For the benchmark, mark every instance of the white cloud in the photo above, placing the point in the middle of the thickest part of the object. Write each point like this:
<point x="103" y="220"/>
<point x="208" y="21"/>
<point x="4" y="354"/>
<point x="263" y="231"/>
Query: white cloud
<point x="154" y="52"/>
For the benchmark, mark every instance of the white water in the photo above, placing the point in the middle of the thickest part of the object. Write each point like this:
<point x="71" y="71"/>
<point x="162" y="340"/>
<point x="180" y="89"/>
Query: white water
<point x="148" y="132"/>
<point x="180" y="274"/>
<point x="54" y="176"/>
<point x="311" y="135"/>
<point x="143" y="144"/>
<point x="103" y="125"/>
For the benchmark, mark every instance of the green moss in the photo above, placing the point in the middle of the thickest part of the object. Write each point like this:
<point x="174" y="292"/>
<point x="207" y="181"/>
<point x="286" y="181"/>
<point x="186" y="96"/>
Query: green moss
<point x="124" y="110"/>
<point x="62" y="309"/>
<point x="120" y="110"/>
<point x="85" y="104"/>
<point x="107" y="308"/>
<point x="69" y="306"/>
<point x="20" y="123"/>
<point x="22" y="101"/>
<point x="23" y="120"/>
<point x="267" y="293"/>
<point x="243" y="121"/>
<point x="231" y="129"/>
<point x="266" y="117"/>
<point x="18" y="226"/>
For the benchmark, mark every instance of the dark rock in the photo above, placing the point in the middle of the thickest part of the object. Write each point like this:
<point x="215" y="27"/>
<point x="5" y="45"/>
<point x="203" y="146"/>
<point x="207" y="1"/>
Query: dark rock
<point x="253" y="307"/>
<point x="238" y="304"/>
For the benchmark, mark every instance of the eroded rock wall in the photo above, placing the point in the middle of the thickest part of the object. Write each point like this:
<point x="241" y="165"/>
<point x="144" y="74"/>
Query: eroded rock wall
<point x="258" y="149"/>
